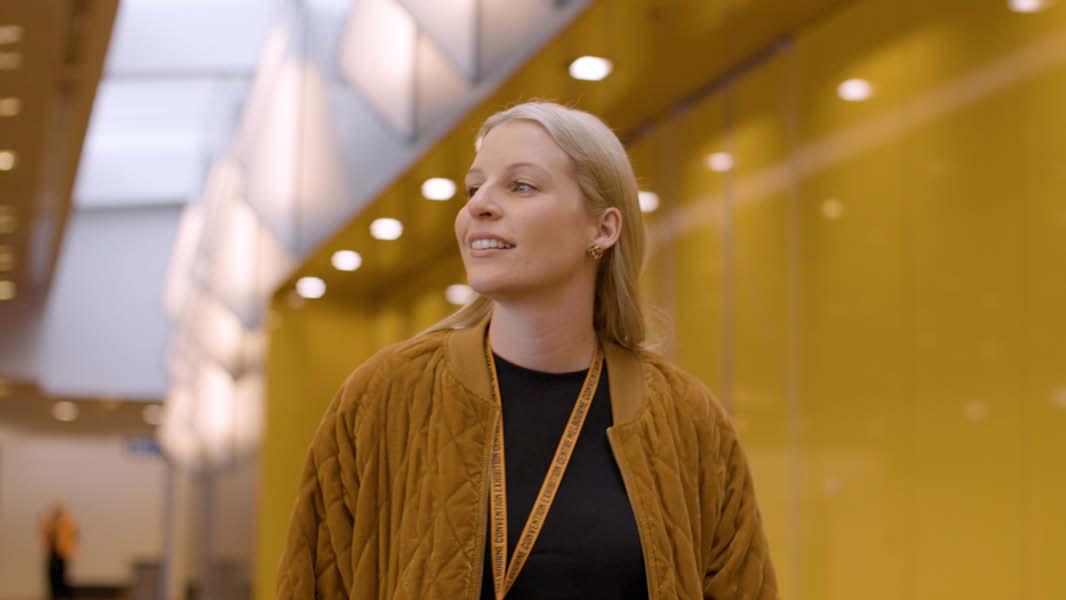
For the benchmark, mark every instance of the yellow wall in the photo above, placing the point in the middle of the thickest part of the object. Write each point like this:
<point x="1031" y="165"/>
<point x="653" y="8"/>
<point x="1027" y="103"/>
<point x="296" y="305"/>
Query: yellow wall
<point x="876" y="289"/>
<point x="312" y="348"/>
<point x="314" y="345"/>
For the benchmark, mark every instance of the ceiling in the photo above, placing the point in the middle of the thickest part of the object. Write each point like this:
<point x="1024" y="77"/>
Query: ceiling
<point x="175" y="88"/>
<point x="53" y="51"/>
<point x="25" y="407"/>
<point x="146" y="88"/>
<point x="664" y="54"/>
<point x="175" y="79"/>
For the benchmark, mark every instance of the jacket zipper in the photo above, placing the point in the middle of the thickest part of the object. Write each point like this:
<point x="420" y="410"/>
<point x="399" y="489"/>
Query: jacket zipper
<point x="629" y="494"/>
<point x="484" y="514"/>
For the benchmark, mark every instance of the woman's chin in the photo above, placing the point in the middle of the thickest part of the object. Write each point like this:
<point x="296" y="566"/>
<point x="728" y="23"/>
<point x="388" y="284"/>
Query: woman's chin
<point x="492" y="287"/>
<point x="484" y="288"/>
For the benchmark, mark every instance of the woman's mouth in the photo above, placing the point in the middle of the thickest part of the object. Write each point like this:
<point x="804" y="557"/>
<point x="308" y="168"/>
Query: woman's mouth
<point x="487" y="243"/>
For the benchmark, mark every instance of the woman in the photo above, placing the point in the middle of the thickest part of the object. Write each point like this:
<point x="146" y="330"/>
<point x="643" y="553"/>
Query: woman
<point x="528" y="446"/>
<point x="60" y="537"/>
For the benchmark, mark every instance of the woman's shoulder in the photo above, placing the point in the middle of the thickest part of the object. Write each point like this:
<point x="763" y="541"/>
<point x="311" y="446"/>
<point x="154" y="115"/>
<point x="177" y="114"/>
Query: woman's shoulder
<point x="417" y="350"/>
<point x="665" y="381"/>
<point x="407" y="358"/>
<point x="395" y="366"/>
<point x="661" y="373"/>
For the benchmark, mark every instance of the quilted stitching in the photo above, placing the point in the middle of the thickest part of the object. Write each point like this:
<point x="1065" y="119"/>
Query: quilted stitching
<point x="388" y="504"/>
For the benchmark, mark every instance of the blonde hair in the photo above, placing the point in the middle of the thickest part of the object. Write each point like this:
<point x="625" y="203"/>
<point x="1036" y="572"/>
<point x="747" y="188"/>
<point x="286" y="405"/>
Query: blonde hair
<point x="606" y="179"/>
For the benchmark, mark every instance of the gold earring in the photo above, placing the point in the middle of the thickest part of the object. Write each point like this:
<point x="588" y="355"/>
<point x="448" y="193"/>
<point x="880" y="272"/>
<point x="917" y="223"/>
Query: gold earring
<point x="595" y="252"/>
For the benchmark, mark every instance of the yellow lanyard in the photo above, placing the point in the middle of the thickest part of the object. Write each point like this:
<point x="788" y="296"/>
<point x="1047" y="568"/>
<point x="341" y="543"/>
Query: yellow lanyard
<point x="504" y="575"/>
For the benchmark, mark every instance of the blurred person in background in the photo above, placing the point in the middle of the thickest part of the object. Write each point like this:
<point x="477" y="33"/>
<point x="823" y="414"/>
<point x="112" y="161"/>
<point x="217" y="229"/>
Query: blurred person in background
<point x="59" y="534"/>
<point x="620" y="476"/>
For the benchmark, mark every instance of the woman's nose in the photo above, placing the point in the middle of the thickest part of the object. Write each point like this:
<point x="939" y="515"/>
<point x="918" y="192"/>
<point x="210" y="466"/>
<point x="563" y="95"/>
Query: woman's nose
<point x="482" y="204"/>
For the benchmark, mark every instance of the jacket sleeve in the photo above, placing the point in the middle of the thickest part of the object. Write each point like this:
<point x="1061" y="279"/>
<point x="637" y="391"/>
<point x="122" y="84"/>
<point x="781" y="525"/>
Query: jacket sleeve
<point x="737" y="564"/>
<point x="317" y="558"/>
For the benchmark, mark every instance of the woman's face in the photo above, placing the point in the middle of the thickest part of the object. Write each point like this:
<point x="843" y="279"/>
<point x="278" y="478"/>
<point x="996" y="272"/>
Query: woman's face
<point x="524" y="230"/>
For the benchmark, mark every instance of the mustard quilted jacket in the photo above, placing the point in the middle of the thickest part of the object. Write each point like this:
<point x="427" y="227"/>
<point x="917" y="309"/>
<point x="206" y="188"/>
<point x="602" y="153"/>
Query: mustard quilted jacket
<point x="394" y="495"/>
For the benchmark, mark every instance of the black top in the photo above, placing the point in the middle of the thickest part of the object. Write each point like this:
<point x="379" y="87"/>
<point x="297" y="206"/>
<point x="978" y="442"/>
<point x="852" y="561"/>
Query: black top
<point x="589" y="546"/>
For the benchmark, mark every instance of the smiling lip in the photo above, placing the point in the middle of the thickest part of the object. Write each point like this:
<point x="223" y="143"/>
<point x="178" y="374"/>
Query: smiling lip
<point x="486" y="236"/>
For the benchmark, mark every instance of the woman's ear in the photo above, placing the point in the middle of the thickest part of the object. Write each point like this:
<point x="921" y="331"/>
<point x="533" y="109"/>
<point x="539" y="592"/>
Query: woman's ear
<point x="609" y="227"/>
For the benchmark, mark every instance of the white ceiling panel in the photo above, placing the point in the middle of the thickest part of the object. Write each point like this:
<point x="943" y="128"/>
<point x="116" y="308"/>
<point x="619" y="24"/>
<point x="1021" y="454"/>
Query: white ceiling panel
<point x="452" y="24"/>
<point x="183" y="103"/>
<point x="378" y="58"/>
<point x="506" y="33"/>
<point x="151" y="175"/>
<point x="148" y="141"/>
<point x="441" y="86"/>
<point x="176" y="77"/>
<point x="182" y="36"/>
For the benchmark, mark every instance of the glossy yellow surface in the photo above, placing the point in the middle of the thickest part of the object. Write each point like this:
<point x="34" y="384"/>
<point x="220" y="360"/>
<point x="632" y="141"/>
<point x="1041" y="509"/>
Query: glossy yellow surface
<point x="876" y="289"/>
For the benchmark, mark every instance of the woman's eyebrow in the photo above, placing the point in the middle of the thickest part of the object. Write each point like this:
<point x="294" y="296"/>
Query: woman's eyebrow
<point x="511" y="167"/>
<point x="534" y="166"/>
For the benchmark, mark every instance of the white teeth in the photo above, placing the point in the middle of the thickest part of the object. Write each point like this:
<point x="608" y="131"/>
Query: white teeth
<point x="483" y="244"/>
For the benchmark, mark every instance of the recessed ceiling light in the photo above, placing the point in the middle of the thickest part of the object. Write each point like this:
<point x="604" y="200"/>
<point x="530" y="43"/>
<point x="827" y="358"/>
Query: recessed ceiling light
<point x="311" y="287"/>
<point x="7" y="289"/>
<point x="64" y="410"/>
<point x="720" y="162"/>
<point x="110" y="403"/>
<point x="832" y="209"/>
<point x="9" y="107"/>
<point x="649" y="201"/>
<point x="346" y="260"/>
<point x="976" y="411"/>
<point x="438" y="188"/>
<point x="7" y="160"/>
<point x="7" y="220"/>
<point x="386" y="229"/>
<point x="10" y="60"/>
<point x="294" y="300"/>
<point x="1058" y="397"/>
<point x="855" y="90"/>
<point x="10" y="34"/>
<point x="459" y="294"/>
<point x="1027" y="6"/>
<point x="152" y="414"/>
<point x="590" y="68"/>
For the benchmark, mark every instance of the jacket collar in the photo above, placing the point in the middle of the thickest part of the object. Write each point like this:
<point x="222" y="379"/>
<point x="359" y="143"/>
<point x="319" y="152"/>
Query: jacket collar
<point x="466" y="353"/>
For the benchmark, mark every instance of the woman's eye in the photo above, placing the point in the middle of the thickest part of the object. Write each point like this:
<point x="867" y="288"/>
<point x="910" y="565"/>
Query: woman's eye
<point x="470" y="191"/>
<point x="521" y="186"/>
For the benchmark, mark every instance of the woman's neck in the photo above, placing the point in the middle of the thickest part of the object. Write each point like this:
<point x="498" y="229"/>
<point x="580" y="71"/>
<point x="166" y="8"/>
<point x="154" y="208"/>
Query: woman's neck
<point x="555" y="338"/>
